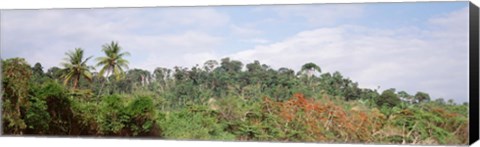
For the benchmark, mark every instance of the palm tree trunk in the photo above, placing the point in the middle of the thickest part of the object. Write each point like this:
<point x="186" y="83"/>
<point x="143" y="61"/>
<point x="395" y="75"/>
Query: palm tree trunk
<point x="103" y="85"/>
<point x="75" y="82"/>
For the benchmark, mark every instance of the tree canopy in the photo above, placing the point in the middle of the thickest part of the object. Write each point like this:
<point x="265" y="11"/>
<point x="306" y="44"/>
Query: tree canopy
<point x="75" y="67"/>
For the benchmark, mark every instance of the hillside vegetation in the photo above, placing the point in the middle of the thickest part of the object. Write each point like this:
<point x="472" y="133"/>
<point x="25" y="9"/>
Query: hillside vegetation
<point x="221" y="100"/>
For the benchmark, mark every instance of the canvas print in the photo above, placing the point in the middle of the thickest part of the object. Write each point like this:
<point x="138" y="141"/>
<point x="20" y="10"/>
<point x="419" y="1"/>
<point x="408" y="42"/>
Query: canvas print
<point x="369" y="73"/>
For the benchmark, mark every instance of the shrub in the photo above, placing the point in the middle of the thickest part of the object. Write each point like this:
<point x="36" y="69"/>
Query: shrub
<point x="194" y="122"/>
<point x="85" y="114"/>
<point x="58" y="107"/>
<point x="303" y="119"/>
<point x="241" y="117"/>
<point x="16" y="73"/>
<point x="119" y="118"/>
<point x="37" y="117"/>
<point x="141" y="115"/>
<point x="388" y="98"/>
<point x="111" y="118"/>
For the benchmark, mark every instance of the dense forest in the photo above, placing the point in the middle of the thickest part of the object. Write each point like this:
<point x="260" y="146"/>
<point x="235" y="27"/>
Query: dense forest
<point x="219" y="100"/>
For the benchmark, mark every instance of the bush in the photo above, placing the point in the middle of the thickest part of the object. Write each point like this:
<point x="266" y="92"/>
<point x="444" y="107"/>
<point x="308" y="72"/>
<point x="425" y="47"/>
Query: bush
<point x="241" y="117"/>
<point x="16" y="73"/>
<point x="194" y="122"/>
<point x="388" y="98"/>
<point x="37" y="117"/>
<point x="430" y="125"/>
<point x="141" y="115"/>
<point x="85" y="114"/>
<point x="111" y="118"/>
<point x="302" y="119"/>
<point x="119" y="118"/>
<point x="58" y="107"/>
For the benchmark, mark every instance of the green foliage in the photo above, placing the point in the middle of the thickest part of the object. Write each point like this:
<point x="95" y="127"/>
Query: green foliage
<point x="388" y="98"/>
<point x="86" y="116"/>
<point x="118" y="117"/>
<point x="422" y="97"/>
<point x="239" y="117"/>
<point x="37" y="117"/>
<point x="196" y="122"/>
<point x="59" y="107"/>
<point x="113" y="63"/>
<point x="142" y="115"/>
<point x="221" y="101"/>
<point x="310" y="68"/>
<point x="37" y="69"/>
<point x="75" y="67"/>
<point x="38" y="76"/>
<point x="111" y="118"/>
<point x="16" y="73"/>
<point x="54" y="73"/>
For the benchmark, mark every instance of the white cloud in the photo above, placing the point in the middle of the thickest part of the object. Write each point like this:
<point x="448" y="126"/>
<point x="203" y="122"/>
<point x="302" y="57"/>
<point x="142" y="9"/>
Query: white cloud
<point x="174" y="17"/>
<point x="244" y="31"/>
<point x="409" y="58"/>
<point x="259" y="41"/>
<point x="170" y="50"/>
<point x="256" y="41"/>
<point x="320" y="14"/>
<point x="45" y="35"/>
<point x="429" y="59"/>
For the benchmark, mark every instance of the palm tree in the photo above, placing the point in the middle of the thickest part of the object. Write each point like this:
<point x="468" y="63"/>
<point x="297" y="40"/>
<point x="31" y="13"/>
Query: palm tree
<point x="113" y="63"/>
<point x="75" y="67"/>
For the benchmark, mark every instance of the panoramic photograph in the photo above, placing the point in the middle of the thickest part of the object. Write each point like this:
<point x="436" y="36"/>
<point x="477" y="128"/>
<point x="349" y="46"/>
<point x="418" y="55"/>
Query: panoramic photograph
<point x="359" y="73"/>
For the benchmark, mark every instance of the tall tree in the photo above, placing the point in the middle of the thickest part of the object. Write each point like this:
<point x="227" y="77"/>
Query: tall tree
<point x="256" y="73"/>
<point x="54" y="73"/>
<point x="210" y="65"/>
<point x="286" y="71"/>
<point x="38" y="76"/>
<point x="422" y="97"/>
<point x="113" y="63"/>
<point x="231" y="66"/>
<point x="310" y="68"/>
<point x="75" y="67"/>
<point x="451" y="102"/>
<point x="231" y="71"/>
<point x="16" y="73"/>
<point x="388" y="98"/>
<point x="37" y="69"/>
<point x="440" y="101"/>
<point x="162" y="75"/>
<point x="139" y="78"/>
<point x="405" y="96"/>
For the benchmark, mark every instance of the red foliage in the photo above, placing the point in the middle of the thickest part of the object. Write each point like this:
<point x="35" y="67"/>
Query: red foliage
<point x="325" y="118"/>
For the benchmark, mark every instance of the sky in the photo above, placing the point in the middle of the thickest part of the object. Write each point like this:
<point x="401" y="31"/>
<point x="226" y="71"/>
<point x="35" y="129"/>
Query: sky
<point x="420" y="46"/>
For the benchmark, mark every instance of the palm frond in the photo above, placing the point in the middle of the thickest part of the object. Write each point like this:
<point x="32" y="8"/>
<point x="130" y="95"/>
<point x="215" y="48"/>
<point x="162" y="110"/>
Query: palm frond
<point x="74" y="65"/>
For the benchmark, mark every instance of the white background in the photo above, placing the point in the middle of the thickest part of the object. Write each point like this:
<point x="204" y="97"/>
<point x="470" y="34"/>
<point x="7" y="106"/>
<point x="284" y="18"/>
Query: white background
<point x="54" y="141"/>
